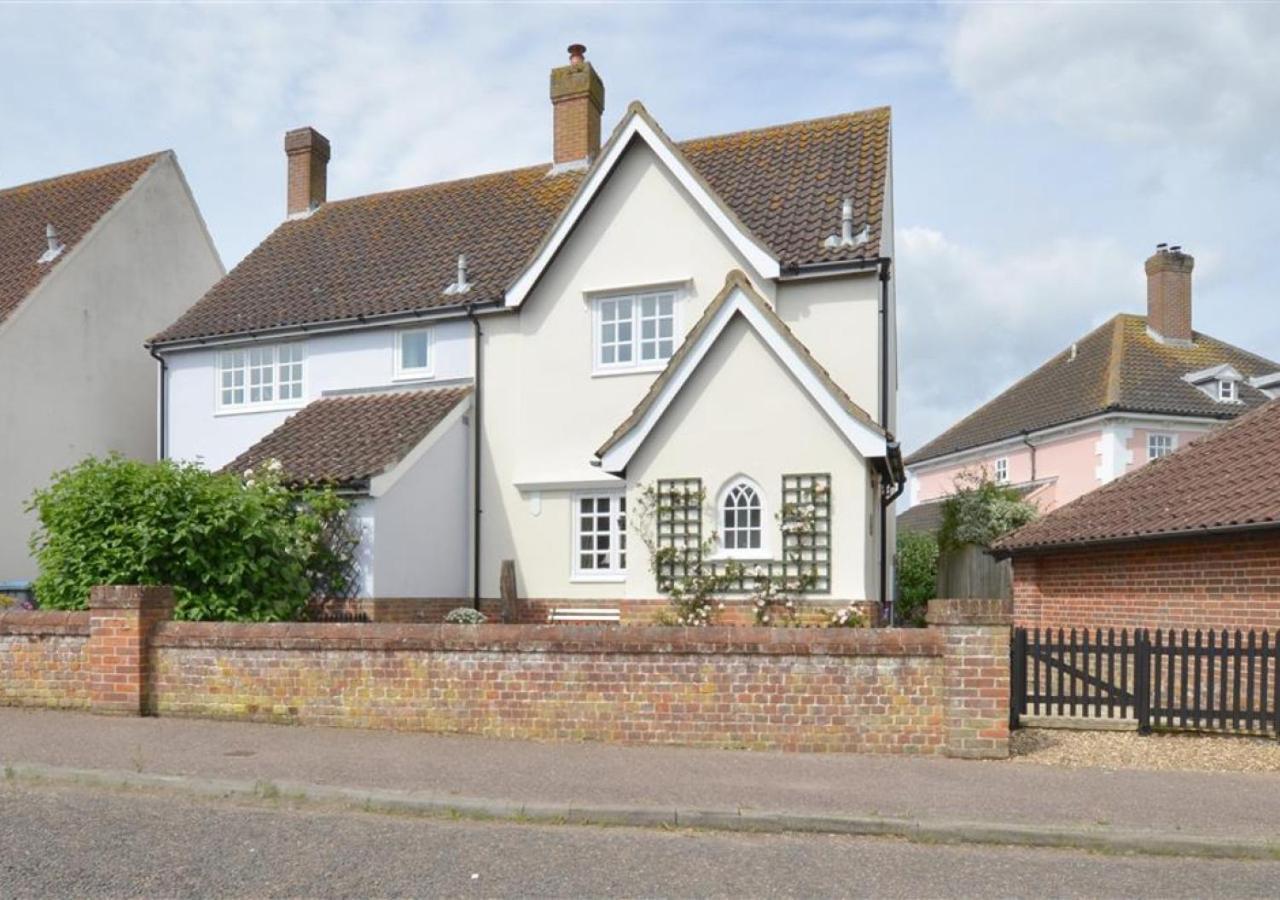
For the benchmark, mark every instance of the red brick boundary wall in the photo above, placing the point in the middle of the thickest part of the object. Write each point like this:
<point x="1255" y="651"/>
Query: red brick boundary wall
<point x="1210" y="581"/>
<point x="943" y="689"/>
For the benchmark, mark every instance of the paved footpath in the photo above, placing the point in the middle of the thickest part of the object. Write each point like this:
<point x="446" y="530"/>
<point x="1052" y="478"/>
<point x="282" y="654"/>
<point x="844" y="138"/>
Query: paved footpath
<point x="1216" y="814"/>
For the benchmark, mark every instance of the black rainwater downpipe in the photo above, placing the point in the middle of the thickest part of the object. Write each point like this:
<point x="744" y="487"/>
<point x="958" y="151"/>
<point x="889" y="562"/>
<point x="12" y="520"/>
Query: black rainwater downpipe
<point x="886" y="499"/>
<point x="476" y="411"/>
<point x="164" y="401"/>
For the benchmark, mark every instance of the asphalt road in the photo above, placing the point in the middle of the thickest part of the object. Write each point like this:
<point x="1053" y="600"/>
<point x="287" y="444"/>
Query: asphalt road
<point x="84" y="842"/>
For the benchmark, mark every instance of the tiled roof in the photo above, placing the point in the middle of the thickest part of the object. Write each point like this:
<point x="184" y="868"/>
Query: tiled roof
<point x="347" y="440"/>
<point x="1226" y="480"/>
<point x="1117" y="367"/>
<point x="393" y="253"/>
<point x="72" y="204"/>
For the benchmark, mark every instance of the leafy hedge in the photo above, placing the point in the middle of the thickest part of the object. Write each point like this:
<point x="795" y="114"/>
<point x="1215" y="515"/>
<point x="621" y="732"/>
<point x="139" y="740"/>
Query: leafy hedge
<point x="233" y="548"/>
<point x="917" y="575"/>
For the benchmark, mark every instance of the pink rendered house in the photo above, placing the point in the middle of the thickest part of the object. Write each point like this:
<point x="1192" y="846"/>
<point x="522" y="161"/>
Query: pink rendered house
<point x="1132" y="390"/>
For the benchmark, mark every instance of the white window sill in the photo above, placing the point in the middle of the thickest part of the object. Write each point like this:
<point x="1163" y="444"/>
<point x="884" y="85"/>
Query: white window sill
<point x="756" y="556"/>
<point x="414" y="375"/>
<point x="646" y="369"/>
<point x="259" y="408"/>
<point x="583" y="578"/>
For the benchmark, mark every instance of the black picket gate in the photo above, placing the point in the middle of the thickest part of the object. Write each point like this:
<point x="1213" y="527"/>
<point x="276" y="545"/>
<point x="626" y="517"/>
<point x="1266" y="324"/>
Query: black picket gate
<point x="1216" y="681"/>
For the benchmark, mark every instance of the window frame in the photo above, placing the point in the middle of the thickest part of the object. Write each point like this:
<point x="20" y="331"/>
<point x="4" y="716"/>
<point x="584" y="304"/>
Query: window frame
<point x="618" y="550"/>
<point x="1228" y="391"/>
<point x="1153" y="436"/>
<point x="637" y="297"/>
<point x="246" y="386"/>
<point x="1000" y="470"/>
<point x="764" y="551"/>
<point x="400" y="372"/>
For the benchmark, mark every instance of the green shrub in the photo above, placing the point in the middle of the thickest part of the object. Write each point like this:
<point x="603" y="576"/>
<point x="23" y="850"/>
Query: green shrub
<point x="233" y="548"/>
<point x="465" y="615"/>
<point x="980" y="511"/>
<point x="917" y="575"/>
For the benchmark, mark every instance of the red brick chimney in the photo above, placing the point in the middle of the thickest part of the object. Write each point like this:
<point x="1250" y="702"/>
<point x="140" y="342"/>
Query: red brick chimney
<point x="1169" y="293"/>
<point x="308" y="153"/>
<point x="577" y="97"/>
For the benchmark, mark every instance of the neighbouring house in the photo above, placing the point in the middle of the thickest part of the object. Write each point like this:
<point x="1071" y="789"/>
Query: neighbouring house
<point x="1133" y="390"/>
<point x="91" y="264"/>
<point x="1189" y="541"/>
<point x="497" y="368"/>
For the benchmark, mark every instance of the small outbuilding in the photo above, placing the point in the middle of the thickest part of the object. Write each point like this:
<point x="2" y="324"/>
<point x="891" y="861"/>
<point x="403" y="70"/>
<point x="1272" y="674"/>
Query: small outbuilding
<point x="1191" y="540"/>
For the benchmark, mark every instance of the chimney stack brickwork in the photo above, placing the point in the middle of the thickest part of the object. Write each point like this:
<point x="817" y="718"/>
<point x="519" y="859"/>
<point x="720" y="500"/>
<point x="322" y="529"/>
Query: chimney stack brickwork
<point x="577" y="97"/>
<point x="1169" y="294"/>
<point x="308" y="153"/>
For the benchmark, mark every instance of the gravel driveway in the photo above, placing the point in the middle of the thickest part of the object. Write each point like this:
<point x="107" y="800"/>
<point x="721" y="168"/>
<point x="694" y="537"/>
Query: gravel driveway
<point x="1130" y="750"/>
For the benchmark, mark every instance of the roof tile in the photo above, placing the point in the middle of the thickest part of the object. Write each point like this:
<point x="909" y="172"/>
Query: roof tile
<point x="1226" y="480"/>
<point x="72" y="204"/>
<point x="1117" y="367"/>
<point x="347" y="440"/>
<point x="394" y="253"/>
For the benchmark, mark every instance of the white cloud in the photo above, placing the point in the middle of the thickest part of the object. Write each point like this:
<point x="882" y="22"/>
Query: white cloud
<point x="1178" y="78"/>
<point x="972" y="323"/>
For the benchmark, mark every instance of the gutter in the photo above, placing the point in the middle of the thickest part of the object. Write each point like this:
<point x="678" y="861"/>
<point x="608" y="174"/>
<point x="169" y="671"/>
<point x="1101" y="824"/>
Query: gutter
<point x="163" y="443"/>
<point x="893" y="450"/>
<point x="477" y="409"/>
<point x="1204" y="531"/>
<point x="356" y="323"/>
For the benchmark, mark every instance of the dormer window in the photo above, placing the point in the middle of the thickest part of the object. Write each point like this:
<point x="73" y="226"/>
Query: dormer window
<point x="1220" y="383"/>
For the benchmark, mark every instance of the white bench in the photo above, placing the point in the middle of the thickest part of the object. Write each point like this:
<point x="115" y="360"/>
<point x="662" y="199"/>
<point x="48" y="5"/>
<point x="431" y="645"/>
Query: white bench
<point x="592" y="614"/>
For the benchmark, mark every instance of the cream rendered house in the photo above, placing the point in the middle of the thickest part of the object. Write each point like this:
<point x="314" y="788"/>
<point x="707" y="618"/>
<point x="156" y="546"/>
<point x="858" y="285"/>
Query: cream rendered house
<point x="714" y="313"/>
<point x="91" y="264"/>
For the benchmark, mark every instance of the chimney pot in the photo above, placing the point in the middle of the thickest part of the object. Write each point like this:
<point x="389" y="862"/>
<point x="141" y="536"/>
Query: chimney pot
<point x="307" y="151"/>
<point x="577" y="98"/>
<point x="1169" y="294"/>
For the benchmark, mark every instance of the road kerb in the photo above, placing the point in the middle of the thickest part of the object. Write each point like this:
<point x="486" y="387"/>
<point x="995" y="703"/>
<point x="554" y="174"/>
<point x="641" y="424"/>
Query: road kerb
<point x="1097" y="839"/>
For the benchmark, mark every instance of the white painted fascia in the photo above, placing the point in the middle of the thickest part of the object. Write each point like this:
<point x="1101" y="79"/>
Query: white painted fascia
<point x="380" y="484"/>
<point x="866" y="440"/>
<point x="552" y="483"/>
<point x="970" y="454"/>
<point x="636" y="125"/>
<point x="1223" y="372"/>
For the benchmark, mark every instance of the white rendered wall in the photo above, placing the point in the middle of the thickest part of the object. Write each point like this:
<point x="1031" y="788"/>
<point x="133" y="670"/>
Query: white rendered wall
<point x="545" y="413"/>
<point x="333" y="362"/>
<point x="423" y="524"/>
<point x="76" y="378"/>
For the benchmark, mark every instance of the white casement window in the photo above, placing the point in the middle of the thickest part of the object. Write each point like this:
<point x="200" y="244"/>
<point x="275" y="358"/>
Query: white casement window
<point x="635" y="331"/>
<point x="1159" y="445"/>
<point x="600" y="536"/>
<point x="1227" y="391"/>
<point x="742" y="520"/>
<point x="260" y="377"/>
<point x="1002" y="470"/>
<point x="414" y="356"/>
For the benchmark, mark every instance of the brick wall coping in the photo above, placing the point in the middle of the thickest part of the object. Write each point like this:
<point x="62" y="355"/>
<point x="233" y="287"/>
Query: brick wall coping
<point x="970" y="612"/>
<point x="24" y="621"/>
<point x="130" y="596"/>
<point x="552" y="638"/>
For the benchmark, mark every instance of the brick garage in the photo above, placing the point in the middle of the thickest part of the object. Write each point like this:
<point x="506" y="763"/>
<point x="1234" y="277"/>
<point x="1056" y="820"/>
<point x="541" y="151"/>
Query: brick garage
<point x="1224" y="581"/>
<point x="943" y="689"/>
<point x="1191" y="540"/>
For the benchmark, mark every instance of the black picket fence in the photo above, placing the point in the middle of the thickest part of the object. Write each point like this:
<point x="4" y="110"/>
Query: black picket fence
<point x="1218" y="681"/>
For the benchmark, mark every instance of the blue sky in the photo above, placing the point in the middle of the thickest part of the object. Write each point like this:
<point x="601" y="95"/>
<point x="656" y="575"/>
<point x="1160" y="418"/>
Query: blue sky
<point x="1040" y="151"/>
